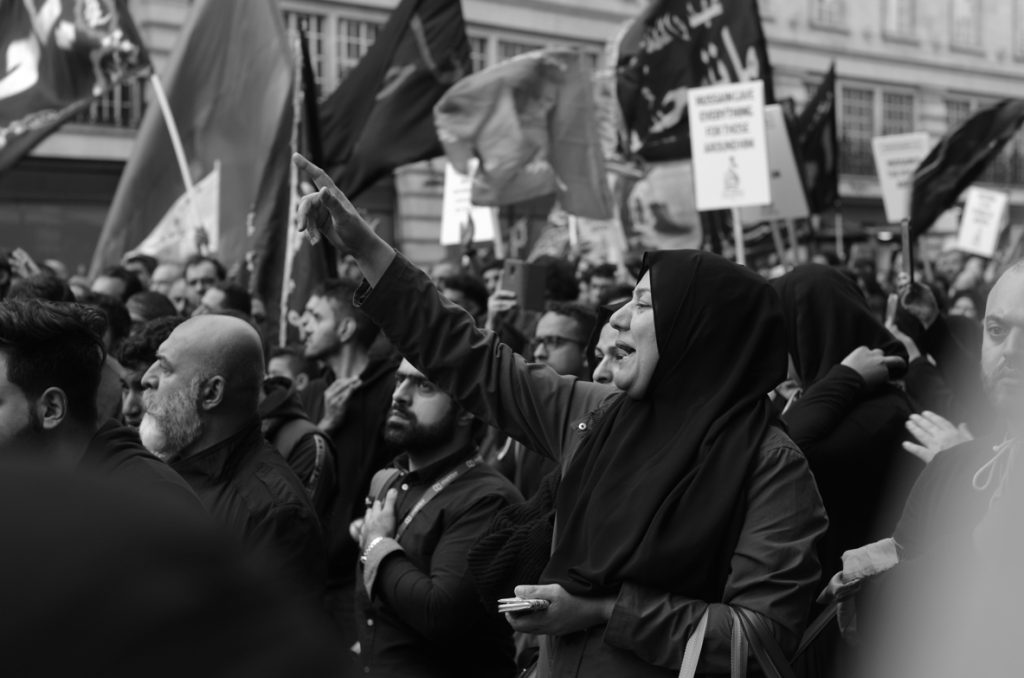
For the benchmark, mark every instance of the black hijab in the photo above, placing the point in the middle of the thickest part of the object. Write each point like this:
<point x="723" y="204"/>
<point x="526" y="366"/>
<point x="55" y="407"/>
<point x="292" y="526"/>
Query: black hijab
<point x="656" y="494"/>
<point x="826" y="318"/>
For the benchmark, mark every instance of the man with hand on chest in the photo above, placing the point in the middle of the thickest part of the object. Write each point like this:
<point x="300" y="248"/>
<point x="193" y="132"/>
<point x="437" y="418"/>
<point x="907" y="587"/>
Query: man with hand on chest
<point x="419" y="613"/>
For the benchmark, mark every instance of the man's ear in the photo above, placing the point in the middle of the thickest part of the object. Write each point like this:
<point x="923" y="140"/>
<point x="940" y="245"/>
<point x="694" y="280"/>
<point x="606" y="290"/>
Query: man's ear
<point x="52" y="408"/>
<point x="346" y="328"/>
<point x="211" y="393"/>
<point x="465" y="418"/>
<point x="301" y="381"/>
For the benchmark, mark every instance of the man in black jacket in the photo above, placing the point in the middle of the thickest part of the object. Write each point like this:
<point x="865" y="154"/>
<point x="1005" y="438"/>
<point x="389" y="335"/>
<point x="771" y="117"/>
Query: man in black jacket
<point x="51" y="360"/>
<point x="419" y="610"/>
<point x="201" y="415"/>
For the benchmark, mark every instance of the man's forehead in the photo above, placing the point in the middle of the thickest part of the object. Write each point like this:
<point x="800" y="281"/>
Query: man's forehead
<point x="554" y="321"/>
<point x="1007" y="297"/>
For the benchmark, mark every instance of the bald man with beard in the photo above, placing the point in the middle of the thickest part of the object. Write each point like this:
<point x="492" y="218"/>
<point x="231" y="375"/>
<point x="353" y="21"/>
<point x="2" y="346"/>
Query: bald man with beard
<point x="201" y="398"/>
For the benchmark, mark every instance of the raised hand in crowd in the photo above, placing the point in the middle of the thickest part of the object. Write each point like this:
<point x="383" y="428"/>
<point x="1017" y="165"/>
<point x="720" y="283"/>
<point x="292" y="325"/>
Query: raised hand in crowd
<point x="330" y="213"/>
<point x="502" y="301"/>
<point x="934" y="434"/>
<point x="872" y="364"/>
<point x="336" y="399"/>
<point x="22" y="263"/>
<point x="913" y="351"/>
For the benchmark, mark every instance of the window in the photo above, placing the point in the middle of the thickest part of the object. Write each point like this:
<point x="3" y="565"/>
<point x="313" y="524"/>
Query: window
<point x="857" y="128"/>
<point x="957" y="111"/>
<point x="1018" y="29"/>
<point x="355" y="38"/>
<point x="830" y="13"/>
<point x="897" y="113"/>
<point x="966" y="23"/>
<point x="313" y="24"/>
<point x="478" y="53"/>
<point x="122" y="106"/>
<point x="507" y="49"/>
<point x="898" y="18"/>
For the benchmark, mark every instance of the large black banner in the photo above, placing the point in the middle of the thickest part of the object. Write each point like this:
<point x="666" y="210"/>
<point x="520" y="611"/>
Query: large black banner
<point x="685" y="44"/>
<point x="54" y="58"/>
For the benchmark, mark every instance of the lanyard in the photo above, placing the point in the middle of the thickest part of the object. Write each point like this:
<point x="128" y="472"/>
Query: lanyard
<point x="432" y="492"/>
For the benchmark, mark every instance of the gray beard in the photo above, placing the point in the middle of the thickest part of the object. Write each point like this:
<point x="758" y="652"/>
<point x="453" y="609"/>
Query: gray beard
<point x="172" y="426"/>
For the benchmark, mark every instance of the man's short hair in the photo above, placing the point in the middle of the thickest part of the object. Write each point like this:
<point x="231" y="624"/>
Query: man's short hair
<point x="296" y="356"/>
<point x="236" y="297"/>
<point x="472" y="288"/>
<point x="139" y="350"/>
<point x="41" y="286"/>
<point x="339" y="293"/>
<point x="147" y="262"/>
<point x="152" y="305"/>
<point x="114" y="312"/>
<point x="498" y="264"/>
<point x="132" y="284"/>
<point x="603" y="271"/>
<point x="584" y="316"/>
<point x="197" y="259"/>
<point x="49" y="344"/>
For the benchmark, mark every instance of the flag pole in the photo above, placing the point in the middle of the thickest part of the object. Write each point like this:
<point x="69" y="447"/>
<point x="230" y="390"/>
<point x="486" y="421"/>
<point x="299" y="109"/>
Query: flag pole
<point x="794" y="241"/>
<point x="737" y="235"/>
<point x="837" y="227"/>
<point x="179" y="154"/>
<point x="780" y="248"/>
<point x="908" y="251"/>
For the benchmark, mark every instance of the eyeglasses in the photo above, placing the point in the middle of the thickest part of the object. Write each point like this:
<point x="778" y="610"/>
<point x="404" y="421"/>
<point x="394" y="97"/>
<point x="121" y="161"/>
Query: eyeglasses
<point x="552" y="342"/>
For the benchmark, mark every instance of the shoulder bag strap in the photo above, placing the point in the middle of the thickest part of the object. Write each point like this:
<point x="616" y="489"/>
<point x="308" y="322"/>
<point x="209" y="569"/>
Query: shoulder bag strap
<point x="768" y="653"/>
<point x="693" y="647"/>
<point x="738" y="665"/>
<point x="819" y="624"/>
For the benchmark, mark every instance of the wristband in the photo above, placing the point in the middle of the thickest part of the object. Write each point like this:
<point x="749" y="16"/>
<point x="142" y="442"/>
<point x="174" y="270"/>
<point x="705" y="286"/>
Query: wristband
<point x="371" y="546"/>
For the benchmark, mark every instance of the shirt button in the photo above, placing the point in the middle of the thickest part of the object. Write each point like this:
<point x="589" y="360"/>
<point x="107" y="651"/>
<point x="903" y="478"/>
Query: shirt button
<point x="583" y="426"/>
<point x="405" y="487"/>
<point x="369" y="622"/>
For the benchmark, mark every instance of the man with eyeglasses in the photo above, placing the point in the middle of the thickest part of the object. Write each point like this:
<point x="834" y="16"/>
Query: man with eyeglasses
<point x="560" y="340"/>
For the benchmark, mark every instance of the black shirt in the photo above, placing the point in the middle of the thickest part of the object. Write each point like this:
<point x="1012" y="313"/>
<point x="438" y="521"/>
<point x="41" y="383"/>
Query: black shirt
<point x="250" y="489"/>
<point x="425" y="618"/>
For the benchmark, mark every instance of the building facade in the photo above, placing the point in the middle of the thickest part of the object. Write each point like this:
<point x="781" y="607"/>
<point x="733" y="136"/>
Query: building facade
<point x="902" y="65"/>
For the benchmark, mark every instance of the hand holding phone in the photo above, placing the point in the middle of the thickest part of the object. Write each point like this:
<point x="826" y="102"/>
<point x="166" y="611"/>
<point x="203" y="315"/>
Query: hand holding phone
<point x="523" y="605"/>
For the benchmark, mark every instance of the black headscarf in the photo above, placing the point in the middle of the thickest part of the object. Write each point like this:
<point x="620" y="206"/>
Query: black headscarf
<point x="656" y="494"/>
<point x="827" y="318"/>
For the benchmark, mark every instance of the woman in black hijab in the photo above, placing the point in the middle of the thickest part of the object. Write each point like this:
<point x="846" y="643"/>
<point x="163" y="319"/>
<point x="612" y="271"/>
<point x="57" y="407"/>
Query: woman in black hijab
<point x="679" y="496"/>
<point x="849" y="419"/>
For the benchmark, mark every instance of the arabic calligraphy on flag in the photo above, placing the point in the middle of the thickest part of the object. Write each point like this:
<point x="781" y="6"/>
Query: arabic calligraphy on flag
<point x="685" y="44"/>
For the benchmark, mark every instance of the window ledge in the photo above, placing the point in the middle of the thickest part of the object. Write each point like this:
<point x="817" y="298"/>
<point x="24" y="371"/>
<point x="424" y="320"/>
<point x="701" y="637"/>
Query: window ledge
<point x="901" y="38"/>
<point x="829" y="28"/>
<point x="972" y="50"/>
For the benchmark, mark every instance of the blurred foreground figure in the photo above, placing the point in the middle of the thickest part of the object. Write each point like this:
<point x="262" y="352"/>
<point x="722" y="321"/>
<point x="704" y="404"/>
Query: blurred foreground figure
<point x="109" y="581"/>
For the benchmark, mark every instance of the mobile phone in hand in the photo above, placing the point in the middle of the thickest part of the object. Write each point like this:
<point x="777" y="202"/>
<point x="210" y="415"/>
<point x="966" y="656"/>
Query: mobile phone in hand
<point x="522" y="605"/>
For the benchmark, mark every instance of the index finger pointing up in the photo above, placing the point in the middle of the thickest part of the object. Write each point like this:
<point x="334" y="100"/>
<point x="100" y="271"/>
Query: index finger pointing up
<point x="319" y="176"/>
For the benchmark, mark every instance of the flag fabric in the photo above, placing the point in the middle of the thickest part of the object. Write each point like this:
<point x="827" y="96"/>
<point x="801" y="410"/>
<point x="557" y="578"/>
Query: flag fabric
<point x="959" y="159"/>
<point x="55" y="59"/>
<point x="684" y="44"/>
<point x="817" y="146"/>
<point x="228" y="84"/>
<point x="531" y="122"/>
<point x="380" y="116"/>
<point x="286" y="267"/>
<point x="176" y="237"/>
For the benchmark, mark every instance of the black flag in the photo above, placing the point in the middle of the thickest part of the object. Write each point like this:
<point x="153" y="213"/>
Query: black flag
<point x="817" y="146"/>
<point x="53" y="63"/>
<point x="685" y="44"/>
<point x="382" y="114"/>
<point x="959" y="159"/>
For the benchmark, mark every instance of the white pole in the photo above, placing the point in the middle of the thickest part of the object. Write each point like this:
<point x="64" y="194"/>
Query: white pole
<point x="737" y="236"/>
<point x="179" y="154"/>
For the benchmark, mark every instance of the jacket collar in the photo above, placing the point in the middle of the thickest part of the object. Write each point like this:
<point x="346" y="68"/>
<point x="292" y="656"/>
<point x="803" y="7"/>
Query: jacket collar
<point x="220" y="459"/>
<point x="431" y="472"/>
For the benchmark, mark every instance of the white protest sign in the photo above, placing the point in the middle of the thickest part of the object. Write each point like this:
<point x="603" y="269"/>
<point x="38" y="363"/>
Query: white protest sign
<point x="788" y="198"/>
<point x="730" y="151"/>
<point x="896" y="158"/>
<point x="457" y="210"/>
<point x="985" y="213"/>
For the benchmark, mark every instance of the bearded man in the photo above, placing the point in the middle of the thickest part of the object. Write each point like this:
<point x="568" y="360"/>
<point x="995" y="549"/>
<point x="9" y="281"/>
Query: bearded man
<point x="201" y="398"/>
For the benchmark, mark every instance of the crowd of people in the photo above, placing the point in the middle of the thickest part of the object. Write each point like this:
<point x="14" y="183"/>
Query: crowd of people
<point x="676" y="450"/>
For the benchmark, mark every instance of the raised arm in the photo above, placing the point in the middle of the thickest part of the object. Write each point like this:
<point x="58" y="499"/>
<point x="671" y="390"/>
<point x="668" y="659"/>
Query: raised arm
<point x="530" y="402"/>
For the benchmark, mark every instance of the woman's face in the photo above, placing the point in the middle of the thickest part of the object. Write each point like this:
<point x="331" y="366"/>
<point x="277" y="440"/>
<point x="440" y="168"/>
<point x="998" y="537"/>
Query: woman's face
<point x="607" y="355"/>
<point x="637" y="342"/>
